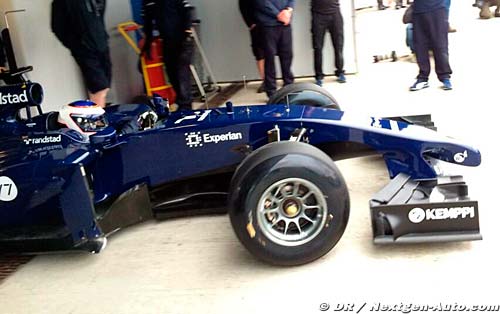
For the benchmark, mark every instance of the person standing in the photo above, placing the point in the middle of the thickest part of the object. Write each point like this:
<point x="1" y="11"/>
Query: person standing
<point x="430" y="32"/>
<point x="399" y="4"/>
<point x="381" y="5"/>
<point x="247" y="9"/>
<point x="79" y="26"/>
<point x="173" y="19"/>
<point x="275" y="17"/>
<point x="326" y="15"/>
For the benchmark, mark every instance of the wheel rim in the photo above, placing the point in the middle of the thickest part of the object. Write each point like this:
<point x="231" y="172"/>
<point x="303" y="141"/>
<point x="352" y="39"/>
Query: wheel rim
<point x="292" y="212"/>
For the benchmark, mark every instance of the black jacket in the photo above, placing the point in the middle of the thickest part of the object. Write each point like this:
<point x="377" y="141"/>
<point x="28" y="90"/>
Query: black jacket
<point x="247" y="9"/>
<point x="325" y="6"/>
<point x="170" y="17"/>
<point x="79" y="24"/>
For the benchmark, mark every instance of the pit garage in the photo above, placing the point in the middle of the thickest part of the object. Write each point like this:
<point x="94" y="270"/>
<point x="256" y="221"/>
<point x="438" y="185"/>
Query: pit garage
<point x="192" y="263"/>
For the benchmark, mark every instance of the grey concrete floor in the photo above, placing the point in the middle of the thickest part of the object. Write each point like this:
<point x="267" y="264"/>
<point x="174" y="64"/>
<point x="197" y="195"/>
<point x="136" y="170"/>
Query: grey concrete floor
<point x="196" y="265"/>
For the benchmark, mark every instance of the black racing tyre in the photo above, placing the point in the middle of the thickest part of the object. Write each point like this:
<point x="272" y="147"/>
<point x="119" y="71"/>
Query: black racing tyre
<point x="304" y="94"/>
<point x="288" y="203"/>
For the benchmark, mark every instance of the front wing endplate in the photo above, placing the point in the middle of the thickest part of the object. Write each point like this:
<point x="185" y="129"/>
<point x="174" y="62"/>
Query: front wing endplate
<point x="416" y="211"/>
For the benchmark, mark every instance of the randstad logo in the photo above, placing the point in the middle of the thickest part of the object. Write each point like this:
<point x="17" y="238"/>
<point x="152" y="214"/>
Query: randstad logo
<point x="9" y="98"/>
<point x="43" y="140"/>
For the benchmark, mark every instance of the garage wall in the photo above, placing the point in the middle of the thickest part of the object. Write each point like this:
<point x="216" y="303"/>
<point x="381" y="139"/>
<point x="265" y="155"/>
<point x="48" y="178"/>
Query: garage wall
<point x="35" y="45"/>
<point x="227" y="43"/>
<point x="54" y="67"/>
<point x="127" y="81"/>
<point x="223" y="33"/>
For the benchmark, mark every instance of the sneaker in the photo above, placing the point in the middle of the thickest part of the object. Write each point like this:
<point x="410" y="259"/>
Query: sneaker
<point x="319" y="83"/>
<point x="447" y="84"/>
<point x="261" y="88"/>
<point x="341" y="78"/>
<point x="419" y="85"/>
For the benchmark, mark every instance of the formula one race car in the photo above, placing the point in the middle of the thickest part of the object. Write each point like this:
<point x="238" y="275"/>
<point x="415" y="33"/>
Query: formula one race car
<point x="69" y="179"/>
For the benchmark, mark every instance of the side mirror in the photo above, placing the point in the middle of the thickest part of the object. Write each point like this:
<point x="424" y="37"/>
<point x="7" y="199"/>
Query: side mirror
<point x="161" y="106"/>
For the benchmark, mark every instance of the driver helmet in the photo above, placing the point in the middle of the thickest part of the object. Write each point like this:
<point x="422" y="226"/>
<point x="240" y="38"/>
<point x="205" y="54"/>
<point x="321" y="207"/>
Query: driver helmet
<point x="83" y="116"/>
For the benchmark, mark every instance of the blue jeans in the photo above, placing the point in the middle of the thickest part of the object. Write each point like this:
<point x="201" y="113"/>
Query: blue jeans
<point x="430" y="32"/>
<point x="447" y="4"/>
<point x="409" y="37"/>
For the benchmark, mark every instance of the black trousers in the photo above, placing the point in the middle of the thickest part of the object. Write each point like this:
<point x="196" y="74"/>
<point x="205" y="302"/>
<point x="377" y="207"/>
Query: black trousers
<point x="430" y="32"/>
<point x="177" y="56"/>
<point x="335" y="25"/>
<point x="95" y="66"/>
<point x="277" y="41"/>
<point x="257" y="40"/>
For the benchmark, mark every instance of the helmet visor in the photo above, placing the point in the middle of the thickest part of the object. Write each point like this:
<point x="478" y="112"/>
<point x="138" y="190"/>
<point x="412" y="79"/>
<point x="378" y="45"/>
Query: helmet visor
<point x="90" y="123"/>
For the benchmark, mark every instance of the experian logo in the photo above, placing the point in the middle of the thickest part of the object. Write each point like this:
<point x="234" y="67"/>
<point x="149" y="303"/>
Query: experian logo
<point x="196" y="139"/>
<point x="13" y="98"/>
<point x="417" y="215"/>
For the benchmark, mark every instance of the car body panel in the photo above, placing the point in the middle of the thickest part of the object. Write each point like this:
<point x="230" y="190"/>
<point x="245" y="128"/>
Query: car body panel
<point x="61" y="177"/>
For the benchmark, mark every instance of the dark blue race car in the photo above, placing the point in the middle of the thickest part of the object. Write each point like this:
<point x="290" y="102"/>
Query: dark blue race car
<point x="69" y="179"/>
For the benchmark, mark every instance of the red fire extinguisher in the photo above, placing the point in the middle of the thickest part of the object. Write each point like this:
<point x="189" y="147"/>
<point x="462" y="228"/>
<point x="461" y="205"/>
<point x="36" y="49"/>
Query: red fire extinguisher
<point x="154" y="72"/>
<point x="152" y="66"/>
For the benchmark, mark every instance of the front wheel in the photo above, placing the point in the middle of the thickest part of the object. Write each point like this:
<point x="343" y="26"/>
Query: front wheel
<point x="289" y="204"/>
